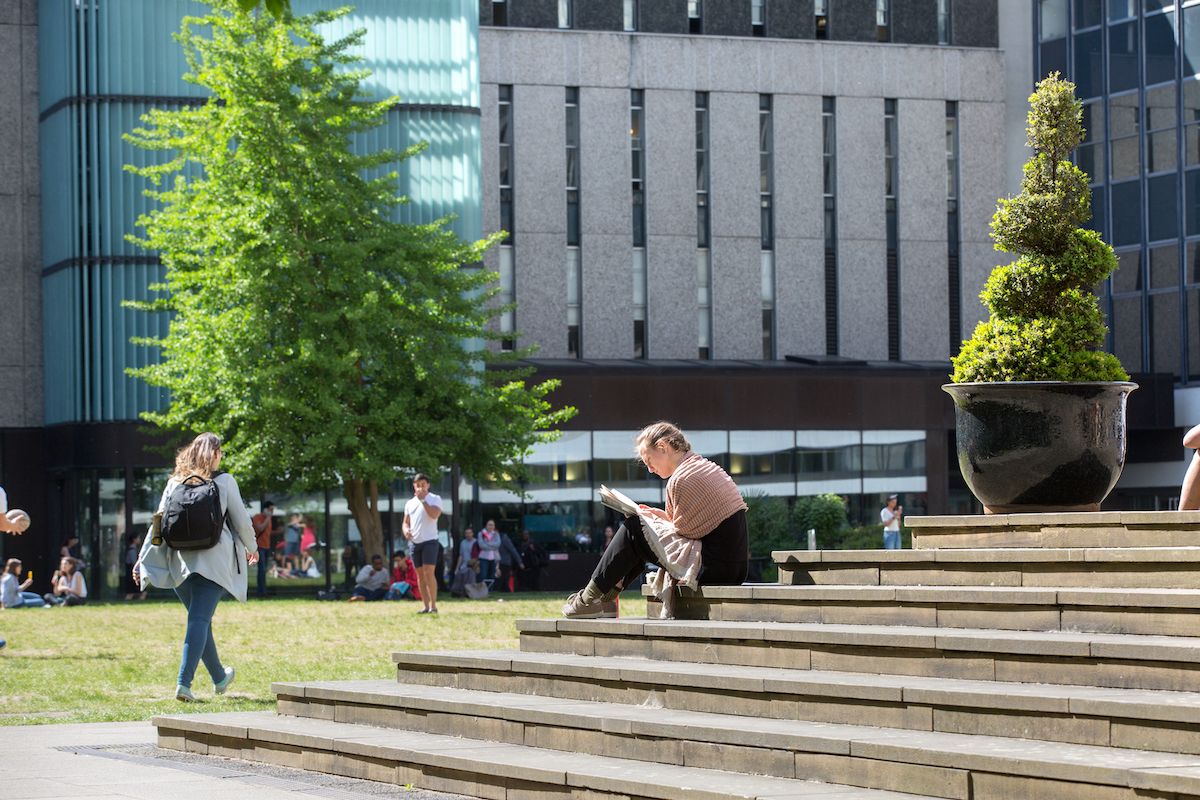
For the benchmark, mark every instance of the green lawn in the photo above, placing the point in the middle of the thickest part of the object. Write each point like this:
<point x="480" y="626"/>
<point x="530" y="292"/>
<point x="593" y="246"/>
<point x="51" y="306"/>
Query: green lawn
<point x="119" y="661"/>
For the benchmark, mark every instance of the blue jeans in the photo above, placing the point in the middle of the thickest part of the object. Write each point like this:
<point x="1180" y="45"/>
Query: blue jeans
<point x="200" y="596"/>
<point x="487" y="570"/>
<point x="264" y="559"/>
<point x="891" y="540"/>
<point x="30" y="600"/>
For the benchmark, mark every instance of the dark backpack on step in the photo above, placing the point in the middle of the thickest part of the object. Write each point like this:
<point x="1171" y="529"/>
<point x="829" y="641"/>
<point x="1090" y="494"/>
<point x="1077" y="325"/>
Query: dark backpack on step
<point x="192" y="518"/>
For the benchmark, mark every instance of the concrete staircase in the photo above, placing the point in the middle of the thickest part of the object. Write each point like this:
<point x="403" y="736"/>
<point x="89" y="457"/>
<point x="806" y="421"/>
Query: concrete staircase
<point x="1065" y="667"/>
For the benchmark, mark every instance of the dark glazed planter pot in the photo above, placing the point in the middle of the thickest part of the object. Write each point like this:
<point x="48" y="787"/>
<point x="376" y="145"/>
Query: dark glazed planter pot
<point x="1031" y="446"/>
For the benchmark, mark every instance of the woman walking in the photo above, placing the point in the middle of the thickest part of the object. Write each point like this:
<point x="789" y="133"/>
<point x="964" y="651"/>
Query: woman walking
<point x="703" y="503"/>
<point x="201" y="578"/>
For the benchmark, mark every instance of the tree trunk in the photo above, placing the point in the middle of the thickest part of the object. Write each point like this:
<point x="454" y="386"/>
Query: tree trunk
<point x="362" y="498"/>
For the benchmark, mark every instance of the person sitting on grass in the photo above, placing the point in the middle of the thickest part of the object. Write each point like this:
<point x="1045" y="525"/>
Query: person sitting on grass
<point x="404" y="579"/>
<point x="14" y="593"/>
<point x="467" y="573"/>
<point x="70" y="589"/>
<point x="372" y="581"/>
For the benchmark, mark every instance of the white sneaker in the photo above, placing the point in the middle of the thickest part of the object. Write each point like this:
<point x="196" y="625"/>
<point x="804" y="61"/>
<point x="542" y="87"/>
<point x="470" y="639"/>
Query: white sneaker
<point x="221" y="686"/>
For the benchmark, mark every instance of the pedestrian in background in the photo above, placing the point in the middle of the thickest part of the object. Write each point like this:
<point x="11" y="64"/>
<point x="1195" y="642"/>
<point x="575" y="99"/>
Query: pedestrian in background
<point x="890" y="514"/>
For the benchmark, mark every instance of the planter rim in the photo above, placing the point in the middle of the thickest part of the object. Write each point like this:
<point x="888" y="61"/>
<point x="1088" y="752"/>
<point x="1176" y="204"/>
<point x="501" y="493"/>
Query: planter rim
<point x="1037" y="384"/>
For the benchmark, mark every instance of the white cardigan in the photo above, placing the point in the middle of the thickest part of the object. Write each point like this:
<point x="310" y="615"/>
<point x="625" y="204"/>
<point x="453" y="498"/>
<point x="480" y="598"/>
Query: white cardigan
<point x="224" y="563"/>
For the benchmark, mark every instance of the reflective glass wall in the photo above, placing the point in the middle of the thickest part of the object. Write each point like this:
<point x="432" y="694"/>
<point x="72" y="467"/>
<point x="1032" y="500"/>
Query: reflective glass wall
<point x="1135" y="64"/>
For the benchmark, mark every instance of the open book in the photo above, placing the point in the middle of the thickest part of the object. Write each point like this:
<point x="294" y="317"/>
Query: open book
<point x="618" y="502"/>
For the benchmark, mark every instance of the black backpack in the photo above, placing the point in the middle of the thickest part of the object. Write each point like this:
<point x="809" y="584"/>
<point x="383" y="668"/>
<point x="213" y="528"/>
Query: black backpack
<point x="192" y="518"/>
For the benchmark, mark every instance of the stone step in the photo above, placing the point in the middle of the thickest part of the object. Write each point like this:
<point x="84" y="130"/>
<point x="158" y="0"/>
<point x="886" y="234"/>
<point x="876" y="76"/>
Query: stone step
<point x="1103" y="529"/>
<point x="1085" y="567"/>
<point x="1173" y="612"/>
<point x="1123" y="661"/>
<point x="493" y="770"/>
<point x="1144" y="719"/>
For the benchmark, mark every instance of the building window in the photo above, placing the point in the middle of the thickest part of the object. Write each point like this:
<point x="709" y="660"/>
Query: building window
<point x="883" y="31"/>
<point x="499" y="13"/>
<point x="566" y="13"/>
<point x="758" y="17"/>
<point x="574" y="291"/>
<point x="829" y="147"/>
<point x="953" y="246"/>
<point x="703" y="263"/>
<point x="507" y="298"/>
<point x="702" y="207"/>
<point x="766" y="188"/>
<point x="891" y="188"/>
<point x="695" y="9"/>
<point x="507" y="275"/>
<point x="945" y="22"/>
<point x="631" y="15"/>
<point x="639" y="302"/>
<point x="574" y="278"/>
<point x="821" y="18"/>
<point x="572" y="140"/>
<point x="637" y="152"/>
<point x="506" y="162"/>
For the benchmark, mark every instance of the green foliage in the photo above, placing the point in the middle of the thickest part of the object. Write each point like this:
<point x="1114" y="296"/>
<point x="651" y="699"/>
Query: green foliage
<point x="768" y="525"/>
<point x="826" y="513"/>
<point x="325" y="342"/>
<point x="276" y="7"/>
<point x="868" y="537"/>
<point x="1045" y="323"/>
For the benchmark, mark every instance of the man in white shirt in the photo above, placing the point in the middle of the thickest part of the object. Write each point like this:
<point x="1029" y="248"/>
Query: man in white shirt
<point x="891" y="514"/>
<point x="420" y="528"/>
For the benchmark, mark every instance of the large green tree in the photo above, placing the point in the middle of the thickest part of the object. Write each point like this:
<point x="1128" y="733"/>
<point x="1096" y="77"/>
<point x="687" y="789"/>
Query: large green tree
<point x="324" y="341"/>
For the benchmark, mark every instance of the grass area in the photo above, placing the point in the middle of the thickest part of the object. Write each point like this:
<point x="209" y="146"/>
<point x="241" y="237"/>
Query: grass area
<point x="119" y="661"/>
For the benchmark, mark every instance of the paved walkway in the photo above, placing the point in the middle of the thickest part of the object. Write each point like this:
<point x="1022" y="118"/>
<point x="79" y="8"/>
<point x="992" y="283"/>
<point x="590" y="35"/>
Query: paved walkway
<point x="118" y="761"/>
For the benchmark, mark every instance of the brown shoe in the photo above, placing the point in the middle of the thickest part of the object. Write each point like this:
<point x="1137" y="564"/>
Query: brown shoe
<point x="576" y="608"/>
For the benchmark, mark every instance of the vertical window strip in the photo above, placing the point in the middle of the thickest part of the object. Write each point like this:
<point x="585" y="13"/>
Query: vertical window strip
<point x="945" y="22"/>
<point x="507" y="275"/>
<point x="703" y="263"/>
<point x="758" y="17"/>
<point x="637" y="151"/>
<point x="631" y="15"/>
<point x="574" y="272"/>
<point x="821" y="18"/>
<point x="566" y="13"/>
<point x="829" y="150"/>
<point x="766" y="189"/>
<point x="953" y="246"/>
<point x="695" y="11"/>
<point x="499" y="13"/>
<point x="883" y="29"/>
<point x="890" y="193"/>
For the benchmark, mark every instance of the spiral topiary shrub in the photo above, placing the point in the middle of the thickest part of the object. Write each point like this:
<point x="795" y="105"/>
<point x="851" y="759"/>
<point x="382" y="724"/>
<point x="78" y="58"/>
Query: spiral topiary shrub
<point x="1045" y="323"/>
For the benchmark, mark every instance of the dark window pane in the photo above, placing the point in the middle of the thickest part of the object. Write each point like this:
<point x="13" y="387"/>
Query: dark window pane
<point x="1160" y="151"/>
<point x="573" y="223"/>
<point x="768" y="232"/>
<point x="1191" y="40"/>
<point x="1191" y="201"/>
<point x="1053" y="56"/>
<point x="1089" y="63"/>
<point x="1164" y="207"/>
<point x="1192" y="263"/>
<point x="1193" y="329"/>
<point x="1127" y="277"/>
<point x="1127" y="213"/>
<point x="1097" y="222"/>
<point x="1160" y="48"/>
<point x="1121" y="9"/>
<point x="1093" y="121"/>
<point x="1165" y="333"/>
<point x="701" y="172"/>
<point x="1122" y="57"/>
<point x="1155" y="5"/>
<point x="1126" y="324"/>
<point x="1090" y="159"/>
<point x="1088" y="13"/>
<point x="1164" y="267"/>
<point x="1126" y="159"/>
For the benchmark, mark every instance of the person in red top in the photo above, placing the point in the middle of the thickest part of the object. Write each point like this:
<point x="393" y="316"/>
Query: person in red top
<point x="703" y="503"/>
<point x="404" y="579"/>
<point x="262" y="534"/>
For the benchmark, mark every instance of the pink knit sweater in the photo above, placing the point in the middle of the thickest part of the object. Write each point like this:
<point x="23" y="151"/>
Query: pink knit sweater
<point x="700" y="495"/>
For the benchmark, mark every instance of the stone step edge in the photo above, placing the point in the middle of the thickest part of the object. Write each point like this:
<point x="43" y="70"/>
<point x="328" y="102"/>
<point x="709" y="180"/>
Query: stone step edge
<point x="1188" y="520"/>
<point x="528" y="765"/>
<point x="1136" y="705"/>
<point x="1059" y="644"/>
<point x="1124" y="599"/>
<point x="1087" y="764"/>
<point x="999" y="556"/>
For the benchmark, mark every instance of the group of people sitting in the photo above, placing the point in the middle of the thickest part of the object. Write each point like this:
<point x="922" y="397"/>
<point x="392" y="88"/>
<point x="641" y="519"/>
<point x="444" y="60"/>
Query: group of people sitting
<point x="68" y="587"/>
<point x="373" y="582"/>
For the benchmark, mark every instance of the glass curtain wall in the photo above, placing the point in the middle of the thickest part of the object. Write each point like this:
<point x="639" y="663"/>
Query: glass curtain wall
<point x="1135" y="65"/>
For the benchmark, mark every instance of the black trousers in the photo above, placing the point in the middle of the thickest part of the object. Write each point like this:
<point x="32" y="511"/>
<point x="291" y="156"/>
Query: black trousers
<point x="725" y="554"/>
